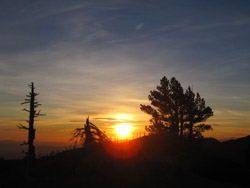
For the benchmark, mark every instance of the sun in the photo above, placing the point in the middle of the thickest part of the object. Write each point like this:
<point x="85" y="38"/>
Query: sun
<point x="123" y="129"/>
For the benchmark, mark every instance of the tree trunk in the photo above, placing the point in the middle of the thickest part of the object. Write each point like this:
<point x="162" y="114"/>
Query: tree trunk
<point x="176" y="122"/>
<point x="88" y="134"/>
<point x="190" y="134"/>
<point x="31" y="137"/>
<point x="181" y="126"/>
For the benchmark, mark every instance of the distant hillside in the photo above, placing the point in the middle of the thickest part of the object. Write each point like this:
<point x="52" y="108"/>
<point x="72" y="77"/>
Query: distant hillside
<point x="13" y="150"/>
<point x="150" y="161"/>
<point x="236" y="150"/>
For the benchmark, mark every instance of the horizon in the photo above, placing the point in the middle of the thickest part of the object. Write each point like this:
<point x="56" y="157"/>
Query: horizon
<point x="13" y="150"/>
<point x="101" y="59"/>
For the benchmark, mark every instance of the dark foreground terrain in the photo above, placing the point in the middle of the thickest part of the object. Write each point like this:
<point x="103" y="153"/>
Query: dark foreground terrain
<point x="146" y="162"/>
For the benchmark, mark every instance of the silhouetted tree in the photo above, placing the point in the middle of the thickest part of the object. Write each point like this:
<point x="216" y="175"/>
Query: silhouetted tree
<point x="176" y="112"/>
<point x="89" y="134"/>
<point x="177" y="99"/>
<point x="33" y="113"/>
<point x="166" y="107"/>
<point x="197" y="112"/>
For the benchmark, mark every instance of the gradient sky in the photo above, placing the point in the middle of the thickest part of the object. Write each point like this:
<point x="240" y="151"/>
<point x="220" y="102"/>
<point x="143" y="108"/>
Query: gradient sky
<point x="101" y="58"/>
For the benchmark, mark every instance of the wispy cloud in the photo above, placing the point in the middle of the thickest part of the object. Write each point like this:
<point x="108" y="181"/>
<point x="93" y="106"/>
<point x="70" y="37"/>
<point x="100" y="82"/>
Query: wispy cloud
<point x="88" y="58"/>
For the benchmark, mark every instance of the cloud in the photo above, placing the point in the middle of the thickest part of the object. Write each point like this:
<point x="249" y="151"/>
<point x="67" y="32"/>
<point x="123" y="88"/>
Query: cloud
<point x="98" y="58"/>
<point x="107" y="119"/>
<point x="139" y="26"/>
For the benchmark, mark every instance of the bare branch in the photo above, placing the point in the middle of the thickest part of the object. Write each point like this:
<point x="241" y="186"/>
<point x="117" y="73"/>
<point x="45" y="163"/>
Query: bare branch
<point x="36" y="114"/>
<point x="25" y="110"/>
<point x="24" y="103"/>
<point x="24" y="143"/>
<point x="20" y="126"/>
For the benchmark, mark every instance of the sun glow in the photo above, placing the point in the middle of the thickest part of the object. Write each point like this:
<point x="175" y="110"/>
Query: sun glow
<point x="123" y="129"/>
<point x="123" y="117"/>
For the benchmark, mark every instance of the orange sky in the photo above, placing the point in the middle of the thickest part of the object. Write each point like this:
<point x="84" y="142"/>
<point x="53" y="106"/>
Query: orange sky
<point x="60" y="130"/>
<point x="101" y="59"/>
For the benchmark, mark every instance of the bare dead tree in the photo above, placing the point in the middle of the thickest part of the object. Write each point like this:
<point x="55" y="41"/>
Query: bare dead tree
<point x="89" y="134"/>
<point x="33" y="113"/>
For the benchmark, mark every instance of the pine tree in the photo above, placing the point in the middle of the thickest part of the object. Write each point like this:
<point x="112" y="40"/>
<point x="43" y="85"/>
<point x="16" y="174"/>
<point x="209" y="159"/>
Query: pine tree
<point x="177" y="101"/>
<point x="166" y="107"/>
<point x="176" y="112"/>
<point x="33" y="113"/>
<point x="197" y="112"/>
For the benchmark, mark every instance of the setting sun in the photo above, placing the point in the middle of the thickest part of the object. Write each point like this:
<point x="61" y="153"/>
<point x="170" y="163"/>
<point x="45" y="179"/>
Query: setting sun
<point x="123" y="129"/>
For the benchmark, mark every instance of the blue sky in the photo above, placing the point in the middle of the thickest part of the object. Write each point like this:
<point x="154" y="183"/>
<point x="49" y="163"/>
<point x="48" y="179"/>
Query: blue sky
<point x="101" y="58"/>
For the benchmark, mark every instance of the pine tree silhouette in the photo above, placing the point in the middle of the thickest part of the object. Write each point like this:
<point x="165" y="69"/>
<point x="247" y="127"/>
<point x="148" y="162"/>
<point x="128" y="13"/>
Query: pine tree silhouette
<point x="197" y="112"/>
<point x="175" y="112"/>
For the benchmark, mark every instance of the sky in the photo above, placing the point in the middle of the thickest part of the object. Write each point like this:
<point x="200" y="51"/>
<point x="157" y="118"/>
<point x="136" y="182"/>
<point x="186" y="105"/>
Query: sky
<point x="101" y="58"/>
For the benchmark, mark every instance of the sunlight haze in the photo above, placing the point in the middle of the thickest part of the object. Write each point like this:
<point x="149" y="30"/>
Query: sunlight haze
<point x="102" y="58"/>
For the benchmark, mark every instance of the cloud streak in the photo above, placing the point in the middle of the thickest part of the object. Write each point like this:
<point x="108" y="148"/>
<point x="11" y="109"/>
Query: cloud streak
<point x="88" y="58"/>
